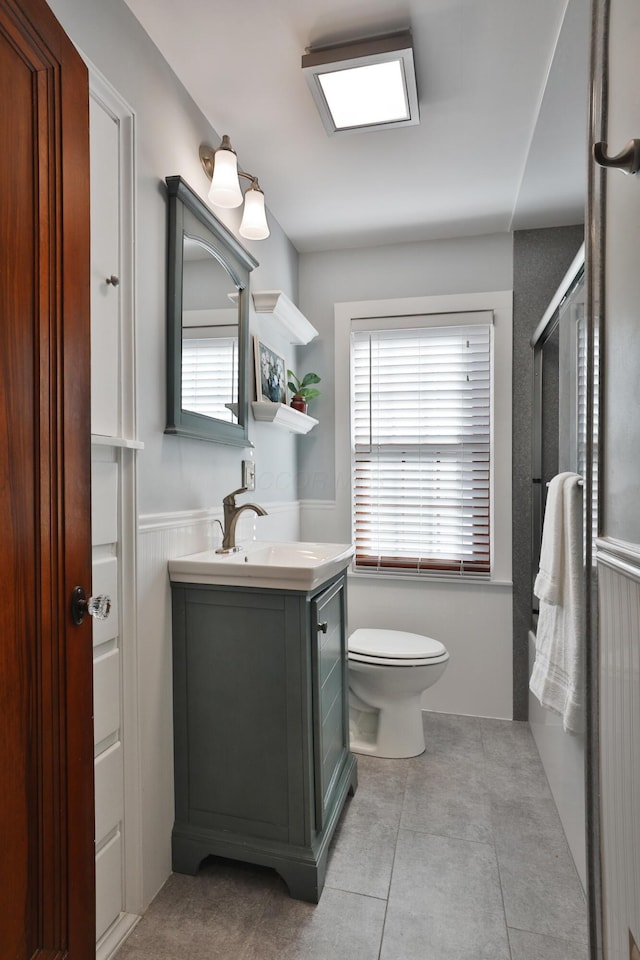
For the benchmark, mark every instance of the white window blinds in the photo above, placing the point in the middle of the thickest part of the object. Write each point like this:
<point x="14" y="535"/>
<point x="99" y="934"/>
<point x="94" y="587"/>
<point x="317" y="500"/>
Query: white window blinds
<point x="210" y="376"/>
<point x="421" y="448"/>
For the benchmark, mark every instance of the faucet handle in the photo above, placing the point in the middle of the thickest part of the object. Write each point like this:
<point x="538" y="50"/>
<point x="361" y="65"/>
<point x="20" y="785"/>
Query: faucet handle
<point x="231" y="497"/>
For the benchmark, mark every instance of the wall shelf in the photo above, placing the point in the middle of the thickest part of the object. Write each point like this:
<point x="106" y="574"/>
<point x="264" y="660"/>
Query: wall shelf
<point x="282" y="416"/>
<point x="295" y="324"/>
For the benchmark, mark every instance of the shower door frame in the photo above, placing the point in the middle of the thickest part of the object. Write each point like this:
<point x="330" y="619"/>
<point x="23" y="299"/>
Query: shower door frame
<point x="543" y="332"/>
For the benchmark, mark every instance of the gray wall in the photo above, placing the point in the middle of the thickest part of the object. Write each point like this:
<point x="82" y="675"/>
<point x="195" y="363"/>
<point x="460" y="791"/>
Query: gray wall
<point x="175" y="473"/>
<point x="464" y="265"/>
<point x="540" y="260"/>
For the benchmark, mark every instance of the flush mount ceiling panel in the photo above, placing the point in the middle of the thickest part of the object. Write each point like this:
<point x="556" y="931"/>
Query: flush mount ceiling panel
<point x="365" y="85"/>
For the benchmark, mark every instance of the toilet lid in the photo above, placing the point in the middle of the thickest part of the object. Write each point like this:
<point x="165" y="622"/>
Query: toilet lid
<point x="394" y="645"/>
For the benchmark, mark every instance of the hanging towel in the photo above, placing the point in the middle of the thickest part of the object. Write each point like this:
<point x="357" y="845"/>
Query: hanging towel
<point x="557" y="679"/>
<point x="548" y="584"/>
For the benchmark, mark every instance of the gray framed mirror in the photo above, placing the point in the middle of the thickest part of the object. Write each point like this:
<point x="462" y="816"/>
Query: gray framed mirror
<point x="207" y="323"/>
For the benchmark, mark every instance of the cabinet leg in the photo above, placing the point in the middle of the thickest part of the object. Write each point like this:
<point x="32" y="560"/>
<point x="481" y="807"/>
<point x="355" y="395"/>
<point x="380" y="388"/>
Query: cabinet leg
<point x="186" y="855"/>
<point x="304" y="881"/>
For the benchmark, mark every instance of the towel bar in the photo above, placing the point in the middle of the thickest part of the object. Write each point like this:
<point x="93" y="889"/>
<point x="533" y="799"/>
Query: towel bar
<point x="580" y="483"/>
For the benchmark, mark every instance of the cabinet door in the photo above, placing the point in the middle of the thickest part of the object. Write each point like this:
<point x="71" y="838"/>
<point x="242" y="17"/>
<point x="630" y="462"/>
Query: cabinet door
<point x="330" y="691"/>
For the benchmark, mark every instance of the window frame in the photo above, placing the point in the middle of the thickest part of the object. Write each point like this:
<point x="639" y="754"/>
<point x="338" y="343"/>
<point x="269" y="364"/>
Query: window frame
<point x="398" y="310"/>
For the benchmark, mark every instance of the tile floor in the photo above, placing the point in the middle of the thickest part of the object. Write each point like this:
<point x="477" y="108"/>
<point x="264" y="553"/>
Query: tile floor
<point x="455" y="855"/>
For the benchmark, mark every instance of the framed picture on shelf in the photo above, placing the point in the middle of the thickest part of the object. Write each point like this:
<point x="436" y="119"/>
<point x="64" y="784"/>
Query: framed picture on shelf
<point x="271" y="379"/>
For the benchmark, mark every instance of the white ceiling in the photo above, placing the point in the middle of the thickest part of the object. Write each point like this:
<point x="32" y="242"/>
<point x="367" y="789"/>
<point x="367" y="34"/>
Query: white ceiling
<point x="503" y="93"/>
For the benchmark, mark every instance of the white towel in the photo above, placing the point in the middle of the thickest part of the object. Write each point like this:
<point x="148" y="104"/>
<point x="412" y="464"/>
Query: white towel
<point x="548" y="583"/>
<point x="557" y="679"/>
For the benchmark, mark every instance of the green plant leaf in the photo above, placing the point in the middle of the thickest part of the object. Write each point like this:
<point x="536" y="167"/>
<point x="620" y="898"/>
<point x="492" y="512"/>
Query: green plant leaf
<point x="301" y="388"/>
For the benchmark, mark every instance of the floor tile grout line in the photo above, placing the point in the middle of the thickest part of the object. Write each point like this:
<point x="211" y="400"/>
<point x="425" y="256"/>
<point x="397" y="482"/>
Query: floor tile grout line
<point x="447" y="836"/>
<point x="354" y="893"/>
<point x="548" y="936"/>
<point x="494" y="844"/>
<point x="393" y="863"/>
<point x="494" y="798"/>
<point x="504" y="908"/>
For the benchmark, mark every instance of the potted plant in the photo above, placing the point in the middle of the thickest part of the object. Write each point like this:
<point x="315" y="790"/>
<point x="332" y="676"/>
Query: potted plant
<point x="302" y="390"/>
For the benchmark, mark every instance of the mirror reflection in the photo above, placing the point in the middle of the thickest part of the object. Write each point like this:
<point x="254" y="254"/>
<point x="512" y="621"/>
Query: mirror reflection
<point x="209" y="334"/>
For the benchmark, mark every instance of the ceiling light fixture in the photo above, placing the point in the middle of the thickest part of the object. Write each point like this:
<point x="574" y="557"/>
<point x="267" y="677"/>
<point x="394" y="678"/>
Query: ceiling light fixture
<point x="221" y="166"/>
<point x="364" y="85"/>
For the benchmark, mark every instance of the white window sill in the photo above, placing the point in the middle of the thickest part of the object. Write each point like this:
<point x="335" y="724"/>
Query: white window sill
<point x="428" y="578"/>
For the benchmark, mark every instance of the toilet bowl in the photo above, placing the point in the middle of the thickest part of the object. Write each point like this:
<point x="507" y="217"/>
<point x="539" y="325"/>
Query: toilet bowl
<point x="388" y="672"/>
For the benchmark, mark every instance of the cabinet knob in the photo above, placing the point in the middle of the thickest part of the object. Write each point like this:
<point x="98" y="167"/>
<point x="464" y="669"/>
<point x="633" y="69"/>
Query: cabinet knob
<point x="322" y="627"/>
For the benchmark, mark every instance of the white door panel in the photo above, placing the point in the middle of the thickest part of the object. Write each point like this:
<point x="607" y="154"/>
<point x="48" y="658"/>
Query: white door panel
<point x="109" y="791"/>
<point x="106" y="707"/>
<point x="108" y="883"/>
<point x="105" y="255"/>
<point x="104" y="503"/>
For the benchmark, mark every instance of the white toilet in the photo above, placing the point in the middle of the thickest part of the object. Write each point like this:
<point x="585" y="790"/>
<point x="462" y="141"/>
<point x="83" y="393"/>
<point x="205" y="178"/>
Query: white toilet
<point x="388" y="671"/>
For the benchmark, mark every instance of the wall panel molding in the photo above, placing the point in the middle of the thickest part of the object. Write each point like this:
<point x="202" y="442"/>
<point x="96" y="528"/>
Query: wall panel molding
<point x="619" y="677"/>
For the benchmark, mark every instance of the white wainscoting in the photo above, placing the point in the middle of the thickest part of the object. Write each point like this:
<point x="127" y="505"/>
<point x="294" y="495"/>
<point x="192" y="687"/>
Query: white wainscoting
<point x="162" y="537"/>
<point x="472" y="618"/>
<point x="619" y="633"/>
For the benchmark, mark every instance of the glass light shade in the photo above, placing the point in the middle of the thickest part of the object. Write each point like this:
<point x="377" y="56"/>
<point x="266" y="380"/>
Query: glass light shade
<point x="254" y="219"/>
<point x="362" y="96"/>
<point x="225" y="187"/>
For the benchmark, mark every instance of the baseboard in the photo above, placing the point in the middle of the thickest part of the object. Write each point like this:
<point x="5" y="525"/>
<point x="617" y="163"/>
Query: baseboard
<point x="115" y="936"/>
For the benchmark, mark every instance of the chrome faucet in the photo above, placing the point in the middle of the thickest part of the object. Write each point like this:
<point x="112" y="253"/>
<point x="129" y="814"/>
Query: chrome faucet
<point x="231" y="514"/>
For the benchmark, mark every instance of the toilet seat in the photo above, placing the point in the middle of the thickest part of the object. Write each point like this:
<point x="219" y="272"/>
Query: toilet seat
<point x="395" y="648"/>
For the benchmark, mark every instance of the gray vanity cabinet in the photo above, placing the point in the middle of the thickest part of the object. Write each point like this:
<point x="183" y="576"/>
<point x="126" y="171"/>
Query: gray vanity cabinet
<point x="261" y="746"/>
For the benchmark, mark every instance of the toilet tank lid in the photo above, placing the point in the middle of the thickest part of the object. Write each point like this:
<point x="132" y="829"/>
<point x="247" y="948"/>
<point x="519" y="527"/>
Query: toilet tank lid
<point x="394" y="644"/>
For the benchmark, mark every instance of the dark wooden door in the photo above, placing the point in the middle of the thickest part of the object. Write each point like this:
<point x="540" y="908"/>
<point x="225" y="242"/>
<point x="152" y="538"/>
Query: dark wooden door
<point x="46" y="737"/>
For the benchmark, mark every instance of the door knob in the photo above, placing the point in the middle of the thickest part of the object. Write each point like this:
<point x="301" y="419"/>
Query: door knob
<point x="322" y="627"/>
<point x="98" y="607"/>
<point x="628" y="160"/>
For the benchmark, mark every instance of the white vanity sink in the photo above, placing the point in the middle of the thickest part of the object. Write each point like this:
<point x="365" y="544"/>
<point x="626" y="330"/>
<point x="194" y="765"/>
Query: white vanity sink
<point x="260" y="563"/>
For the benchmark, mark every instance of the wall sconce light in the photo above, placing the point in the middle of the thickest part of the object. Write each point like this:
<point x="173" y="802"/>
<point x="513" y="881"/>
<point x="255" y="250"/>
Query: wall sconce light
<point x="221" y="166"/>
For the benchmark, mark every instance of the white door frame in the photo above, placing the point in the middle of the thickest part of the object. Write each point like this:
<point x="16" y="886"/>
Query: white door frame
<point x="125" y="448"/>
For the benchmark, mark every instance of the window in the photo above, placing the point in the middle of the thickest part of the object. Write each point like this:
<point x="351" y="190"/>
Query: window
<point x="210" y="375"/>
<point x="421" y="447"/>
